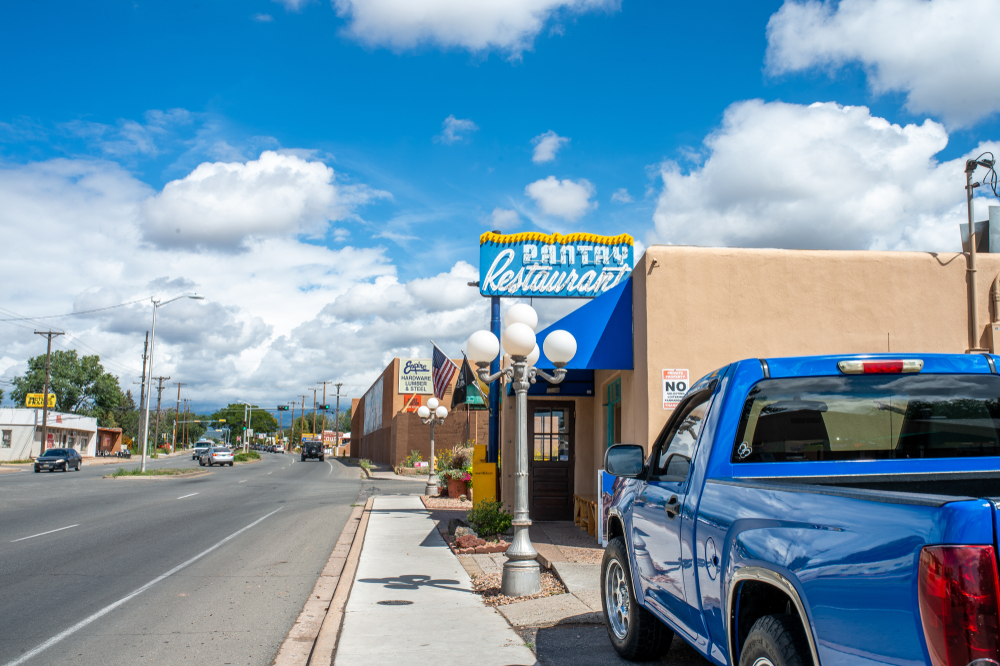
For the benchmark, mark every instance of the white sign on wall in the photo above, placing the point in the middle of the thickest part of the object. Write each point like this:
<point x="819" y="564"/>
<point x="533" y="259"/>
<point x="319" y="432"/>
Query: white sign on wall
<point x="373" y="407"/>
<point x="415" y="376"/>
<point x="675" y="384"/>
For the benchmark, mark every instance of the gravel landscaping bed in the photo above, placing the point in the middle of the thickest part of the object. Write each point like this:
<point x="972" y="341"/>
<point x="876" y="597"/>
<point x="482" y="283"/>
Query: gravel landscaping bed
<point x="488" y="586"/>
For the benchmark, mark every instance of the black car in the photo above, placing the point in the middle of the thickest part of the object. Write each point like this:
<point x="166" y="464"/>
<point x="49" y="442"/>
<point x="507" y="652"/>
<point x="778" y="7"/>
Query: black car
<point x="313" y="450"/>
<point x="64" y="459"/>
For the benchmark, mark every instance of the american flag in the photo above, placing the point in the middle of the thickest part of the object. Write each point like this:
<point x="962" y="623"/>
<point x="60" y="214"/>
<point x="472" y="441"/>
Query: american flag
<point x="442" y="370"/>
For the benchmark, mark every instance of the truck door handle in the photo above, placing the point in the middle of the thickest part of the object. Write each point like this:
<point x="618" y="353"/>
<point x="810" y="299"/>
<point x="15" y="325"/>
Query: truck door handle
<point x="672" y="508"/>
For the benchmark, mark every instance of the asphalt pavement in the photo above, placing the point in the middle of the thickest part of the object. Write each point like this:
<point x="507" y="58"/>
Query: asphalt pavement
<point x="206" y="570"/>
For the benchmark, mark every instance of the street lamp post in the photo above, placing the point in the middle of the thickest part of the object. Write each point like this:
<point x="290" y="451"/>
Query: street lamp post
<point x="432" y="414"/>
<point x="521" y="573"/>
<point x="152" y="340"/>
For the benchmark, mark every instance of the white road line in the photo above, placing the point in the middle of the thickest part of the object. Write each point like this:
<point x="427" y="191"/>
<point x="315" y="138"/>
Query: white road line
<point x="331" y="467"/>
<point x="191" y="495"/>
<point x="243" y="481"/>
<point x="44" y="533"/>
<point x="107" y="609"/>
<point x="268" y="472"/>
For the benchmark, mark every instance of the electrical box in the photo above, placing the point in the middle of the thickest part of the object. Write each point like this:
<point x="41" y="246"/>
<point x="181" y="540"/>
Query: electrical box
<point x="995" y="337"/>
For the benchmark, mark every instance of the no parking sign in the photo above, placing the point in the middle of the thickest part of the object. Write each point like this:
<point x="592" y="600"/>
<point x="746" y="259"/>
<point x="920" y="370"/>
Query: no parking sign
<point x="675" y="385"/>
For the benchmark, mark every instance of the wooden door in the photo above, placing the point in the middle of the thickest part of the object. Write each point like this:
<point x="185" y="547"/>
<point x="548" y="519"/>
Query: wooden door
<point x="550" y="460"/>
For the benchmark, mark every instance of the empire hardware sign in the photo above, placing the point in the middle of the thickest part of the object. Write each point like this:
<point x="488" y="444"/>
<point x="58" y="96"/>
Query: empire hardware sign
<point x="552" y="266"/>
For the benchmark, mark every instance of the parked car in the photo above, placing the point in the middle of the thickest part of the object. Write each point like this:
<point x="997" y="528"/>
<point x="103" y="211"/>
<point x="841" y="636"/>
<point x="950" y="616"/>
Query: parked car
<point x="817" y="510"/>
<point x="313" y="449"/>
<point x="64" y="459"/>
<point x="200" y="448"/>
<point x="216" y="455"/>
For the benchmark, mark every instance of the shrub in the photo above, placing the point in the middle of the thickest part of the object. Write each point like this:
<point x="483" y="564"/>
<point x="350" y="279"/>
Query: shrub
<point x="456" y="474"/>
<point x="469" y="541"/>
<point x="461" y="458"/>
<point x="366" y="464"/>
<point x="413" y="458"/>
<point x="442" y="461"/>
<point x="489" y="518"/>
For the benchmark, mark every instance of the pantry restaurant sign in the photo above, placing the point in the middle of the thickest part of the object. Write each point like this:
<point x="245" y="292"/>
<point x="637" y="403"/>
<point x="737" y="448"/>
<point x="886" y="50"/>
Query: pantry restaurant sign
<point x="552" y="266"/>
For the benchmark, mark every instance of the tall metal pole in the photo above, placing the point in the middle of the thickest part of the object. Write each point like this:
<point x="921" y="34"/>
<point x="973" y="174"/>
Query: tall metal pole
<point x="493" y="451"/>
<point x="302" y="421"/>
<point x="145" y="422"/>
<point x="314" y="414"/>
<point x="337" y="417"/>
<point x="177" y="416"/>
<point x="521" y="573"/>
<point x="970" y="271"/>
<point x="45" y="390"/>
<point x="142" y="392"/>
<point x="432" y="481"/>
<point x="159" y="395"/>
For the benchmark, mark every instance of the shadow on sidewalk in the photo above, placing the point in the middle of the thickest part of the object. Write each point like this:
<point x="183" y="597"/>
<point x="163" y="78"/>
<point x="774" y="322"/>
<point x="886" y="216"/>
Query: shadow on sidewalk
<point x="588" y="645"/>
<point x="415" y="582"/>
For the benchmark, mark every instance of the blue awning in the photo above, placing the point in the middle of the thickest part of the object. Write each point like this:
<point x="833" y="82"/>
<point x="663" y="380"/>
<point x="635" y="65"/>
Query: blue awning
<point x="603" y="332"/>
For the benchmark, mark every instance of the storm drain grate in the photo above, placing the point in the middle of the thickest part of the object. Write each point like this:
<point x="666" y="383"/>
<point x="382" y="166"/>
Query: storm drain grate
<point x="394" y="602"/>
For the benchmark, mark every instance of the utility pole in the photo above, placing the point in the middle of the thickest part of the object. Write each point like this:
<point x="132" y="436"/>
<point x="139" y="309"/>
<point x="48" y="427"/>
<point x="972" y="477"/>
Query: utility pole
<point x="337" y="418"/>
<point x="142" y="392"/>
<point x="187" y="421"/>
<point x="45" y="391"/>
<point x="314" y="413"/>
<point x="302" y="421"/>
<point x="177" y="415"/>
<point x="159" y="394"/>
<point x="323" y="430"/>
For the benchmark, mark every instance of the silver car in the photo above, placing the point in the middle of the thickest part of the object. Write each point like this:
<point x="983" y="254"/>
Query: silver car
<point x="216" y="455"/>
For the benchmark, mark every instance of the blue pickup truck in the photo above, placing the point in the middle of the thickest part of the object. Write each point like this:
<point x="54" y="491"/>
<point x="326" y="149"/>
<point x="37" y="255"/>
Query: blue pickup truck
<point x="825" y="510"/>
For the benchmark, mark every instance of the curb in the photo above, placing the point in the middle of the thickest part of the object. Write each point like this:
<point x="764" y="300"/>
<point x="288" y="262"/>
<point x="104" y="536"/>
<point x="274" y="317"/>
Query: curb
<point x="312" y="640"/>
<point x="158" y="477"/>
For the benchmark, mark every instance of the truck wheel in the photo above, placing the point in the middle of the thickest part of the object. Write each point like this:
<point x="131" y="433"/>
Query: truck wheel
<point x="776" y="640"/>
<point x="303" y="459"/>
<point x="634" y="632"/>
<point x="322" y="458"/>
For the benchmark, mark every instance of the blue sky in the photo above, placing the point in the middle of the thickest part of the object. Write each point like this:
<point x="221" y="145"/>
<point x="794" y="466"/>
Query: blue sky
<point x="108" y="109"/>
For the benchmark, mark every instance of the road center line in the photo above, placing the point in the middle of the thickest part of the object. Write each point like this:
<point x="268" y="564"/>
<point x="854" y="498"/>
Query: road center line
<point x="107" y="609"/>
<point x="191" y="495"/>
<point x="243" y="481"/>
<point x="44" y="533"/>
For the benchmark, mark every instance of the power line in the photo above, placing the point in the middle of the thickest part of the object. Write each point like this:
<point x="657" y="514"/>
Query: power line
<point x="74" y="314"/>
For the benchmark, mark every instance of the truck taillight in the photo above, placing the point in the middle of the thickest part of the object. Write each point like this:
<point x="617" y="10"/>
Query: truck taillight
<point x="958" y="597"/>
<point x="881" y="368"/>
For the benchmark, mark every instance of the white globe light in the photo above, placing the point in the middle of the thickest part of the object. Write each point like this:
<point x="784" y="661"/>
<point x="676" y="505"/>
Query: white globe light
<point x="533" y="356"/>
<point x="518" y="339"/>
<point x="521" y="313"/>
<point x="483" y="347"/>
<point x="560" y="347"/>
<point x="423" y="412"/>
<point x="432" y="403"/>
<point x="442" y="412"/>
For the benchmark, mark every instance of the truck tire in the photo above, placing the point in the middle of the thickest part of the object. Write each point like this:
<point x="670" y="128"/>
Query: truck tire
<point x="635" y="633"/>
<point x="776" y="640"/>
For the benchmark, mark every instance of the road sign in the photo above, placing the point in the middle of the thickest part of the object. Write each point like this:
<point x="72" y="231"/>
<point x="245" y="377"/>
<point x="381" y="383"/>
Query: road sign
<point x="37" y="400"/>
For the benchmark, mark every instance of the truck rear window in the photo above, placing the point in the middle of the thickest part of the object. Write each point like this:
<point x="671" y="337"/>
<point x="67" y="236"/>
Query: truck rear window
<point x="870" y="417"/>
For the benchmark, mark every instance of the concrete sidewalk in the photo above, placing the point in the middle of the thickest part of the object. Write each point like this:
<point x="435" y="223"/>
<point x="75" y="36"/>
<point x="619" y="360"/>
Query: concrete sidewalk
<point x="433" y="615"/>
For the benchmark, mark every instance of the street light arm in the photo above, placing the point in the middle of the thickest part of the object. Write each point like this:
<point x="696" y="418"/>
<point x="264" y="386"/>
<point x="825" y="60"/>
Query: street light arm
<point x="556" y="377"/>
<point x="484" y="374"/>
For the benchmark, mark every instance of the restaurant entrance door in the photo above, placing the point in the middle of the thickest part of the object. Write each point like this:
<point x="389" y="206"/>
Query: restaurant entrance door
<point x="550" y="460"/>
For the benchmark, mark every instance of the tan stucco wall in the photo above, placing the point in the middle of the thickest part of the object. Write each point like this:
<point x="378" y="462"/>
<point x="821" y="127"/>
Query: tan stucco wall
<point x="702" y="308"/>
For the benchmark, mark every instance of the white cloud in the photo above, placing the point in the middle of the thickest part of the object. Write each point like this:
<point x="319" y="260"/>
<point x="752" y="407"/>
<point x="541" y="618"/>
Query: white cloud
<point x="819" y="176"/>
<point x="546" y="146"/>
<point x="937" y="52"/>
<point x="567" y="199"/>
<point x="454" y="129"/>
<point x="504" y="219"/>
<point x="621" y="195"/>
<point x="280" y="313"/>
<point x="505" y="25"/>
<point x="229" y="203"/>
<point x="263" y="18"/>
<point x="129" y="138"/>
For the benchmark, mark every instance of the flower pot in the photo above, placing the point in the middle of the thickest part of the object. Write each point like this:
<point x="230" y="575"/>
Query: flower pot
<point x="456" y="488"/>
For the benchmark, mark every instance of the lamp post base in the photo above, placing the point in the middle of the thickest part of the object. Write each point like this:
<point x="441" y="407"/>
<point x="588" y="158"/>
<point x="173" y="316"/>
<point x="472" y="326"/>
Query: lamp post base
<point x="521" y="578"/>
<point x="432" y="487"/>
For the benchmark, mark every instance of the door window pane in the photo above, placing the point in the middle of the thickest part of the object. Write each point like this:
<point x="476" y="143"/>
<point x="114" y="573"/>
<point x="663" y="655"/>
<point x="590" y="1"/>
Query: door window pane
<point x="6" y="438"/>
<point x="551" y="435"/>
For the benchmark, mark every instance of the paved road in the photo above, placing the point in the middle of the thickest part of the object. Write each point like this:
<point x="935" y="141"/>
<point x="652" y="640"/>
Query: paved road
<point x="209" y="570"/>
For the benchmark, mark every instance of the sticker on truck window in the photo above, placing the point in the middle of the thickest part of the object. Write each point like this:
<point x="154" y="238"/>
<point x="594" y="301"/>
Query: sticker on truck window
<point x="675" y="384"/>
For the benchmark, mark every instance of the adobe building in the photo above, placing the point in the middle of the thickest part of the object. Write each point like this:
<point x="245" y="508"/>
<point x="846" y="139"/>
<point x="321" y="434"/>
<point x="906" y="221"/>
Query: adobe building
<point x="384" y="422"/>
<point x="686" y="311"/>
<point x="21" y="433"/>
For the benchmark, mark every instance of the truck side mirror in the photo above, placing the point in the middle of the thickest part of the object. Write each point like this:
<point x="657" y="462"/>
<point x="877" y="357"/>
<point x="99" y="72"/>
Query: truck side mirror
<point x="624" y="460"/>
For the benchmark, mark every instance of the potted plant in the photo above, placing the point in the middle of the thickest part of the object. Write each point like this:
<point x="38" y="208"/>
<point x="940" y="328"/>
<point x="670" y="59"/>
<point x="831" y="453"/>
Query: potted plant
<point x="458" y="480"/>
